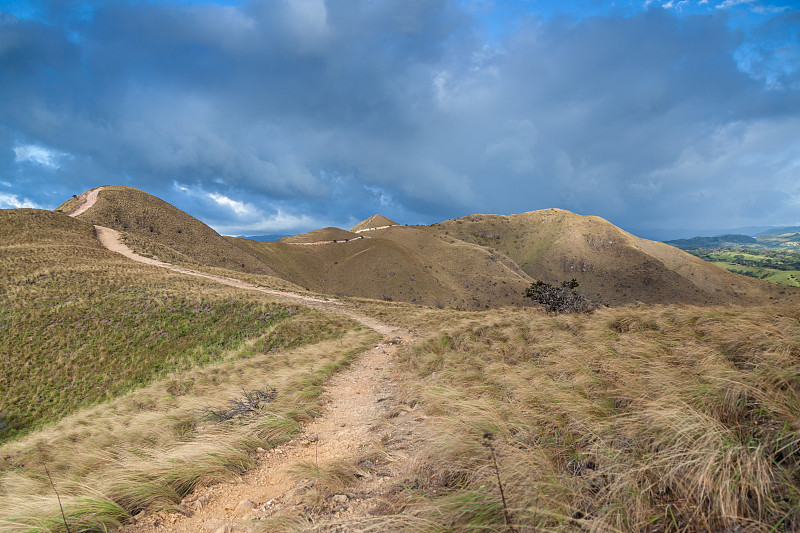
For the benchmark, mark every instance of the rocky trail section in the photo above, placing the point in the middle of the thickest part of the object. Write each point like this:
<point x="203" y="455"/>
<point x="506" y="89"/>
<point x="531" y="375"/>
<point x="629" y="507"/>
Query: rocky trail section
<point x="364" y="427"/>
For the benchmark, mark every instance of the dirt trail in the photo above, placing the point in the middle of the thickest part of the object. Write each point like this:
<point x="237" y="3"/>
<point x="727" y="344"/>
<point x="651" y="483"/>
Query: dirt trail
<point x="361" y="410"/>
<point x="111" y="240"/>
<point x="85" y="201"/>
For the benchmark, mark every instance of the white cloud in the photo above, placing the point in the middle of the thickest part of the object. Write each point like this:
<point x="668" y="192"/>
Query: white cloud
<point x="240" y="208"/>
<point x="384" y="198"/>
<point x="727" y="4"/>
<point x="39" y="155"/>
<point x="672" y="4"/>
<point x="276" y="223"/>
<point x="249" y="218"/>
<point x="12" y="201"/>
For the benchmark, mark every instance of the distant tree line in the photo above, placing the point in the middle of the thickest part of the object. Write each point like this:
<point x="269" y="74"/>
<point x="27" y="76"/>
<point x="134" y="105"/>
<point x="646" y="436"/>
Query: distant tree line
<point x="774" y="259"/>
<point x="723" y="241"/>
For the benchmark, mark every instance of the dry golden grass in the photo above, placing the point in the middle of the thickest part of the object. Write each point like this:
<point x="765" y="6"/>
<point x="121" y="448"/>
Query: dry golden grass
<point x="633" y="419"/>
<point x="83" y="326"/>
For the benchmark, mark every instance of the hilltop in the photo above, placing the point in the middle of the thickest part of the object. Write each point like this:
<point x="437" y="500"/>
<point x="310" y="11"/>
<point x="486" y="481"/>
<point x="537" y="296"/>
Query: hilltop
<point x="324" y="235"/>
<point x="372" y="223"/>
<point x="157" y="228"/>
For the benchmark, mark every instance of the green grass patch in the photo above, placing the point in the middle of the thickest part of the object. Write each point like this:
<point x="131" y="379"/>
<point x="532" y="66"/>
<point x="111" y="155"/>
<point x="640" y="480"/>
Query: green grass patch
<point x="66" y="349"/>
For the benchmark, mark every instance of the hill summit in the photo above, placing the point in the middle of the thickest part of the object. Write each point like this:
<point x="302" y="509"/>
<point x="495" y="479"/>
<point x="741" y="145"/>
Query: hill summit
<point x="374" y="222"/>
<point x="160" y="228"/>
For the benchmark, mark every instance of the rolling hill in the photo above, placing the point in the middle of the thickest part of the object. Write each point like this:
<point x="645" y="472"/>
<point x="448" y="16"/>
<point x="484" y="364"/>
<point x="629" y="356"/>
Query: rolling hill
<point x="319" y="235"/>
<point x="157" y="228"/>
<point x="477" y="261"/>
<point x="610" y="264"/>
<point x="399" y="264"/>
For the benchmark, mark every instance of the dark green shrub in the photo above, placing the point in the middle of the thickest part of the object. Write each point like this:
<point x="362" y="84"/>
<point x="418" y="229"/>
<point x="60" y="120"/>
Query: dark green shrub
<point x="559" y="298"/>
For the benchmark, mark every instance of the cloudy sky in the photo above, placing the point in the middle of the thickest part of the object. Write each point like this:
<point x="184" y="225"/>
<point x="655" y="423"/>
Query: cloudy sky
<point x="280" y="116"/>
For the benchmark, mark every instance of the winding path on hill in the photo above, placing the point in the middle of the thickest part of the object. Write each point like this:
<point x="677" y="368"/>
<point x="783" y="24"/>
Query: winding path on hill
<point x="85" y="201"/>
<point x="361" y="409"/>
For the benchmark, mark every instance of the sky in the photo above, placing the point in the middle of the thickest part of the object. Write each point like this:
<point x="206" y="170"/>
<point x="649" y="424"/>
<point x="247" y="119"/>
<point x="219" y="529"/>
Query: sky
<point x="281" y="116"/>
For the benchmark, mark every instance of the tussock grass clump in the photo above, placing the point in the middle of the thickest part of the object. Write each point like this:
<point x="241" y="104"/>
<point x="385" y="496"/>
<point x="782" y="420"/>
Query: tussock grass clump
<point x="634" y="419"/>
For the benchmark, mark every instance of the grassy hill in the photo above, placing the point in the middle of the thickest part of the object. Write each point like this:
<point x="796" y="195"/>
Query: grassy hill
<point x="474" y="262"/>
<point x="399" y="264"/>
<point x="375" y="221"/>
<point x="159" y="229"/>
<point x="610" y="264"/>
<point x="320" y="235"/>
<point x="82" y="324"/>
<point x="106" y="366"/>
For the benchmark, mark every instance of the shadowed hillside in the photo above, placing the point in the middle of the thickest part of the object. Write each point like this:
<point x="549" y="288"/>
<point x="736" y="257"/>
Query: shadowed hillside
<point x="402" y="264"/>
<point x="145" y="216"/>
<point x="611" y="265"/>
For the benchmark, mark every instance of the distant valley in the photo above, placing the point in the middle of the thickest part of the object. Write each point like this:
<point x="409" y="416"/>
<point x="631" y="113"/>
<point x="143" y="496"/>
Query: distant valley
<point x="773" y="255"/>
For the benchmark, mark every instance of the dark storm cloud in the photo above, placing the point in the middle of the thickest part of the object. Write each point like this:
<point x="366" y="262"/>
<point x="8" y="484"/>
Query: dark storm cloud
<point x="290" y="114"/>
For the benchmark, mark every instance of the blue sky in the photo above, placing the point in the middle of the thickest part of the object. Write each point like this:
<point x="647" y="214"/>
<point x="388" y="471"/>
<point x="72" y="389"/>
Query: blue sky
<point x="279" y="116"/>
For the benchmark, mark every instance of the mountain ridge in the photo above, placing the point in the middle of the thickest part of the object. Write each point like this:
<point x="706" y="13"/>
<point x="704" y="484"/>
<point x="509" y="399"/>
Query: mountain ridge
<point x="477" y="261"/>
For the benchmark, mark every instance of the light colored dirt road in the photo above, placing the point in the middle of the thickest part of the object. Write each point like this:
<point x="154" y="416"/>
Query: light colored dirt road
<point x="362" y="415"/>
<point x="111" y="240"/>
<point x="355" y="419"/>
<point x="85" y="201"/>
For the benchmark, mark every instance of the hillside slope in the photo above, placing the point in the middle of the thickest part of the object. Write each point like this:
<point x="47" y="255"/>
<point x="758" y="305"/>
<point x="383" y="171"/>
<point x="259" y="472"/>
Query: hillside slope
<point x="143" y="215"/>
<point x="402" y="264"/>
<point x="611" y="265"/>
<point x="82" y="324"/>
